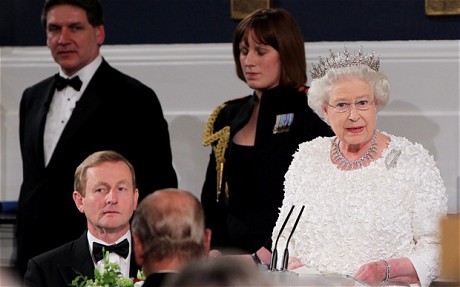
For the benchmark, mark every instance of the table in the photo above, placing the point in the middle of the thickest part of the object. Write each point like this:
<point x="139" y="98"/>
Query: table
<point x="289" y="278"/>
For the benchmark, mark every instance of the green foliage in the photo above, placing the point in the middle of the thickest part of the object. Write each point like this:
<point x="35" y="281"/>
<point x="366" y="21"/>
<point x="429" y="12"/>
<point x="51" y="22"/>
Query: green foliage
<point x="141" y="275"/>
<point x="109" y="276"/>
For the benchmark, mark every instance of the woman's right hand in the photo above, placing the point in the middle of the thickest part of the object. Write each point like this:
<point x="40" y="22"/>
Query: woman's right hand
<point x="294" y="263"/>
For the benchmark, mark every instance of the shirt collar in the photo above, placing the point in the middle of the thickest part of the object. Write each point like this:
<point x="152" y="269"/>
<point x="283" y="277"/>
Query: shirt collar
<point x="86" y="73"/>
<point x="92" y="239"/>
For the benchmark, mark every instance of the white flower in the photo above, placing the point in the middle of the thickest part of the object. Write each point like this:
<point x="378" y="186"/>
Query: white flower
<point x="108" y="276"/>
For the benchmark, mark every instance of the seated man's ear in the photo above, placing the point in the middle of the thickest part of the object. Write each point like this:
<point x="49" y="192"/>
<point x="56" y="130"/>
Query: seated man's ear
<point x="207" y="240"/>
<point x="78" y="199"/>
<point x="138" y="249"/>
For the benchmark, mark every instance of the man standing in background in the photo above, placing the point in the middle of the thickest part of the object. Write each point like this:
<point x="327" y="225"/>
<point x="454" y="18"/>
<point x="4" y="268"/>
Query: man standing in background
<point x="88" y="106"/>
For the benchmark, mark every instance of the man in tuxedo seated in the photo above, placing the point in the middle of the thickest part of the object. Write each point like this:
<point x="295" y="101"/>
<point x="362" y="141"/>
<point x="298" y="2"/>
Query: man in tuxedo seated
<point x="169" y="232"/>
<point x="106" y="192"/>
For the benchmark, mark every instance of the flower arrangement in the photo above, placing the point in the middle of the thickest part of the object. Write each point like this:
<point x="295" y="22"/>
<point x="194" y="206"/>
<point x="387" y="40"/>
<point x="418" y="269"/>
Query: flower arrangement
<point x="109" y="276"/>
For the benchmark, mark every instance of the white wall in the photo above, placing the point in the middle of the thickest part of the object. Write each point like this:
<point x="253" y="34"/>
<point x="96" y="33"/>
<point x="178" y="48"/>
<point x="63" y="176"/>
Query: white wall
<point x="191" y="80"/>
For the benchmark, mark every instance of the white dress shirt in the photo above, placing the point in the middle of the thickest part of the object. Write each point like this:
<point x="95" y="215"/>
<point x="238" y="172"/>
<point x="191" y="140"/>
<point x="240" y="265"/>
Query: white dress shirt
<point x="62" y="106"/>
<point x="113" y="257"/>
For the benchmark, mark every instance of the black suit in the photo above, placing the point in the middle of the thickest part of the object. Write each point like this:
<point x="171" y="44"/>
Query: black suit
<point x="115" y="112"/>
<point x="58" y="267"/>
<point x="158" y="279"/>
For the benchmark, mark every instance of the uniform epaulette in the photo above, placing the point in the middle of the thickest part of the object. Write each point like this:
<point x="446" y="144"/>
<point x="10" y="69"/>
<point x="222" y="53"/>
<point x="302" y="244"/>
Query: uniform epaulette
<point x="222" y="138"/>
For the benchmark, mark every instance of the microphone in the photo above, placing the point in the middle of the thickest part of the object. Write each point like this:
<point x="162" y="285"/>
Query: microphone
<point x="274" y="258"/>
<point x="286" y="251"/>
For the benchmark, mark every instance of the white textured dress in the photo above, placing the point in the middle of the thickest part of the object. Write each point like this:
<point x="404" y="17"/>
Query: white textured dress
<point x="389" y="209"/>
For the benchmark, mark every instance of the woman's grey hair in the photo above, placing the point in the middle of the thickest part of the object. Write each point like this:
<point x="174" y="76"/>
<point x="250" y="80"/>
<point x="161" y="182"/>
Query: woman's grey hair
<point x="318" y="94"/>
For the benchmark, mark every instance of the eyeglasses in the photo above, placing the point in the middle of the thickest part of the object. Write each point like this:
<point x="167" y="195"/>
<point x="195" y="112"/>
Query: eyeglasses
<point x="361" y="105"/>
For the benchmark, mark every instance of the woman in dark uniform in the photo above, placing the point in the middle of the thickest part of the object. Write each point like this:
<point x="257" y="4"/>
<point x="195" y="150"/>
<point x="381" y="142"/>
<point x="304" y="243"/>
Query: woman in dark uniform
<point x="253" y="138"/>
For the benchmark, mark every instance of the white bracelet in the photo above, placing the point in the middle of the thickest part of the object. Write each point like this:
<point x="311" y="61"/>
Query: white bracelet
<point x="387" y="274"/>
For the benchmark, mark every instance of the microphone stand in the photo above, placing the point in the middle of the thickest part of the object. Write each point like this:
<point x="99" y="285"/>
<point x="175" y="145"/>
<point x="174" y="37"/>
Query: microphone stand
<point x="286" y="250"/>
<point x="274" y="258"/>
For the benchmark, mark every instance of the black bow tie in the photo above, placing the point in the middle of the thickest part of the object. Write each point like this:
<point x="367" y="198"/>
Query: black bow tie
<point x="121" y="249"/>
<point x="61" y="82"/>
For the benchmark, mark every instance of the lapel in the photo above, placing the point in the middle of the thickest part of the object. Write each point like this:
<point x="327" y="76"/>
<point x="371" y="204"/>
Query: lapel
<point x="133" y="266"/>
<point x="38" y="123"/>
<point x="243" y="116"/>
<point x="79" y="260"/>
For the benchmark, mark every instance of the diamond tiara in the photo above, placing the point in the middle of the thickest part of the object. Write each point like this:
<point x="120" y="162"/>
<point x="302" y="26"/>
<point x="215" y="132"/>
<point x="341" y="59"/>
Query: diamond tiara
<point x="345" y="59"/>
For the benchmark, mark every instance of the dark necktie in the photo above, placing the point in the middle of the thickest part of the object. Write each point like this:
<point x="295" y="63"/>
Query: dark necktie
<point x="121" y="249"/>
<point x="61" y="82"/>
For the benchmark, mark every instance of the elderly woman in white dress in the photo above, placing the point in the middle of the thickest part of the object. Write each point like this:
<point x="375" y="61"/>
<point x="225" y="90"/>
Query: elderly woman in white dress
<point x="373" y="201"/>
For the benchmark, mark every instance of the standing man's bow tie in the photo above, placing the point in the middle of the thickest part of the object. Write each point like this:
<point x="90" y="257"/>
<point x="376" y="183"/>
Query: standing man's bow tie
<point x="61" y="82"/>
<point x="121" y="249"/>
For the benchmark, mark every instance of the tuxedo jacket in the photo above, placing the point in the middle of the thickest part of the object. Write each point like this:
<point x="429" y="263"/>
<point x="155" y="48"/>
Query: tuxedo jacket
<point x="59" y="266"/>
<point x="158" y="279"/>
<point x="115" y="112"/>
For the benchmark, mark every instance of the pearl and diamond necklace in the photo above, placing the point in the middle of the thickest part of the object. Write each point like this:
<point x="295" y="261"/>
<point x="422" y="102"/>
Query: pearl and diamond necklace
<point x="344" y="163"/>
